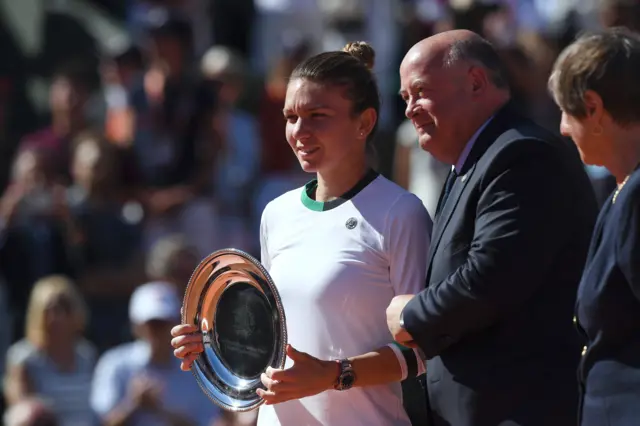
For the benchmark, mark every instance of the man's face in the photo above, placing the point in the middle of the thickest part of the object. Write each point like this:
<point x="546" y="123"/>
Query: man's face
<point x="436" y="103"/>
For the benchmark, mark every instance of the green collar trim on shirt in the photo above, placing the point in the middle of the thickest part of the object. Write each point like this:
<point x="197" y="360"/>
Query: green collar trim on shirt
<point x="309" y="191"/>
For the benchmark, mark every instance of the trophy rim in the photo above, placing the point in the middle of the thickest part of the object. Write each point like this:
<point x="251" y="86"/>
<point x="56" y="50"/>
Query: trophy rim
<point x="280" y="355"/>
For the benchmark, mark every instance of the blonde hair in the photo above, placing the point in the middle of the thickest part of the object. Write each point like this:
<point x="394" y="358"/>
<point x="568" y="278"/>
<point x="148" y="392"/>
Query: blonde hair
<point x="44" y="291"/>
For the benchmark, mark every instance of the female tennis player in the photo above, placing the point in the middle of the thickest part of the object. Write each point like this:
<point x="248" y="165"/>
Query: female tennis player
<point x="339" y="249"/>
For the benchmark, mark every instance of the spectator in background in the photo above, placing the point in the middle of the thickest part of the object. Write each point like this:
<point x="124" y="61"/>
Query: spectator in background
<point x="238" y="162"/>
<point x="36" y="227"/>
<point x="119" y="73"/>
<point x="53" y="361"/>
<point x="108" y="258"/>
<point x="163" y="102"/>
<point x="172" y="260"/>
<point x="30" y="412"/>
<point x="140" y="383"/>
<point x="166" y="143"/>
<point x="69" y="93"/>
<point x="109" y="222"/>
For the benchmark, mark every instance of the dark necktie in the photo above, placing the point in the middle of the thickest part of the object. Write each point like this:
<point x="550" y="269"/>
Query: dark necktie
<point x="451" y="179"/>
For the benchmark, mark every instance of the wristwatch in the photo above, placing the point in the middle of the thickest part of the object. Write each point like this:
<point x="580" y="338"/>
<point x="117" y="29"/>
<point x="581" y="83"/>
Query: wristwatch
<point x="347" y="376"/>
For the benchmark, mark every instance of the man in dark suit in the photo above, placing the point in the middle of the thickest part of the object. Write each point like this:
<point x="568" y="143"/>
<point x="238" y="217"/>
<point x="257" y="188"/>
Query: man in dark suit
<point x="510" y="239"/>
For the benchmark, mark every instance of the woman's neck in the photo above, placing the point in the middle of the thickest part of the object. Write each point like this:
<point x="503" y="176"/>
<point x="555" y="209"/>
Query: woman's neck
<point x="332" y="184"/>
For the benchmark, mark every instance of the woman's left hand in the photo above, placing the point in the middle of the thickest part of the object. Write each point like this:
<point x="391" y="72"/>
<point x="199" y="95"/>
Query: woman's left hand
<point x="308" y="376"/>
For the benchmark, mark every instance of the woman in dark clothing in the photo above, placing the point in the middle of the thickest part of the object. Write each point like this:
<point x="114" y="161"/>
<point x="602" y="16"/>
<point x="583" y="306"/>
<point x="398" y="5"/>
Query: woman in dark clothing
<point x="595" y="83"/>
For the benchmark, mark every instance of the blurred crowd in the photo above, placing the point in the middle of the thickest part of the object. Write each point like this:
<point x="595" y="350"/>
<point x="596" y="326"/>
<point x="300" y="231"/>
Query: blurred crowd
<point x="130" y="153"/>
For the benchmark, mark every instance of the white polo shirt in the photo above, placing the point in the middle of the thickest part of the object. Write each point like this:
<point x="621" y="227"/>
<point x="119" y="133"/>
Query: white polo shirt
<point x="337" y="266"/>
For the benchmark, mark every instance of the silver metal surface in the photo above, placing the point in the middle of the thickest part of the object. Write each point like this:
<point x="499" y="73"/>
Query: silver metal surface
<point x="214" y="294"/>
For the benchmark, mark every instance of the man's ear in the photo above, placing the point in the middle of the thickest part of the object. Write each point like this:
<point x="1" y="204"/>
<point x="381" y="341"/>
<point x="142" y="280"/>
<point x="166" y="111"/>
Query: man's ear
<point x="478" y="79"/>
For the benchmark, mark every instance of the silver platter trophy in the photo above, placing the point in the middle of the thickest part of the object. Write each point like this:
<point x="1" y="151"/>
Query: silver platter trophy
<point x="233" y="300"/>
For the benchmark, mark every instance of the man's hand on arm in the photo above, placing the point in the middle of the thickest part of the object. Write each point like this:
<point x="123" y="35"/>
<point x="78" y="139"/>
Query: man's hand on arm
<point x="394" y="320"/>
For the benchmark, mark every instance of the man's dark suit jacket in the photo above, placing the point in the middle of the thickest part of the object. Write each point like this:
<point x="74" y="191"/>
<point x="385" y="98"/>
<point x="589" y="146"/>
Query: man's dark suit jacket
<point x="507" y="253"/>
<point x="608" y="314"/>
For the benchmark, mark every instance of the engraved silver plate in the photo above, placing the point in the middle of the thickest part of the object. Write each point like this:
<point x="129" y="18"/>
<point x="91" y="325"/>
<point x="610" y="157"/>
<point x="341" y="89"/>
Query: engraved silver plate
<point x="234" y="302"/>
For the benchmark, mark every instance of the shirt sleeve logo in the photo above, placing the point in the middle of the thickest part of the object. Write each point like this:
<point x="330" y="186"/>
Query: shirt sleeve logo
<point x="351" y="223"/>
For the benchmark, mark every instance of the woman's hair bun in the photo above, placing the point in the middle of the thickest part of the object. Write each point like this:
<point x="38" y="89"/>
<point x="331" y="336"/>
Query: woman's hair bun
<point x="362" y="51"/>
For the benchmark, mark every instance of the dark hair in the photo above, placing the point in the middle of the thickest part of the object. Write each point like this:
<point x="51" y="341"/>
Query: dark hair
<point x="479" y="51"/>
<point x="606" y="62"/>
<point x="350" y="68"/>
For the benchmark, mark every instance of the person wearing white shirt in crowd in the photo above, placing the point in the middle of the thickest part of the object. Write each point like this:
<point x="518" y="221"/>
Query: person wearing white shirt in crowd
<point x="140" y="383"/>
<point x="338" y="250"/>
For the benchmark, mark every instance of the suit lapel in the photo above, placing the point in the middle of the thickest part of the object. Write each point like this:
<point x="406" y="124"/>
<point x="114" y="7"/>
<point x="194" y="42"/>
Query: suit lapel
<point x="446" y="213"/>
<point x="503" y="119"/>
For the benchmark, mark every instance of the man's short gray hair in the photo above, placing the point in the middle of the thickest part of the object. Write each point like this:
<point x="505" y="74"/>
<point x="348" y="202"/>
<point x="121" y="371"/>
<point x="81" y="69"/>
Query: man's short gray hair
<point x="478" y="51"/>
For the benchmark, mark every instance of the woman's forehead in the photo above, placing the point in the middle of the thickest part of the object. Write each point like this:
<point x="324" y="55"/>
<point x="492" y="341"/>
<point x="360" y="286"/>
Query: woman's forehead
<point x="305" y="94"/>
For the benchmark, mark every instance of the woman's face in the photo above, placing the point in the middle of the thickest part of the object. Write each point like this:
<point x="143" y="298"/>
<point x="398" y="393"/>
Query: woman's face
<point x="321" y="129"/>
<point x="59" y="317"/>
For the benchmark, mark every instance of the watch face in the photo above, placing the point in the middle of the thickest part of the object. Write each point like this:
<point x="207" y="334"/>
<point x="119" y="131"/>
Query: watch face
<point x="347" y="380"/>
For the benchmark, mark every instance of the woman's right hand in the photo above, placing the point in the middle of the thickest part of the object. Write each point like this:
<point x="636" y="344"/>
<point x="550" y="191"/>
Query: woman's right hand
<point x="187" y="342"/>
